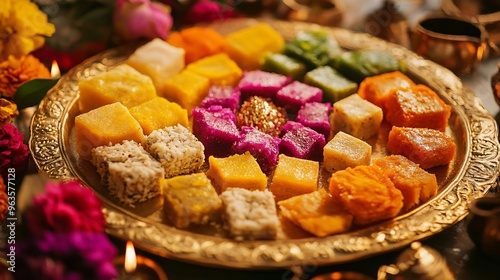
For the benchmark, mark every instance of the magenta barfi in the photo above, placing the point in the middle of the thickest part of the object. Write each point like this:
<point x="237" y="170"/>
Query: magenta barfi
<point x="301" y="142"/>
<point x="296" y="94"/>
<point x="262" y="83"/>
<point x="262" y="146"/>
<point x="316" y="115"/>
<point x="225" y="96"/>
<point x="216" y="128"/>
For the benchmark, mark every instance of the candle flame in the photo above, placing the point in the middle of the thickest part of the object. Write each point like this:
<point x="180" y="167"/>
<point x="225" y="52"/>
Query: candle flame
<point x="54" y="70"/>
<point x="130" y="258"/>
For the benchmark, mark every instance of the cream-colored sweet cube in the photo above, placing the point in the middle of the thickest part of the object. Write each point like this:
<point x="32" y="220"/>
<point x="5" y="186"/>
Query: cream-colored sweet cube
<point x="294" y="176"/>
<point x="159" y="60"/>
<point x="345" y="151"/>
<point x="357" y="117"/>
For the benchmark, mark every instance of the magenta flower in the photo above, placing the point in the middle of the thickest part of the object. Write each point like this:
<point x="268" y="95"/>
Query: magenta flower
<point x="141" y="19"/>
<point x="66" y="256"/>
<point x="13" y="152"/>
<point x="65" y="207"/>
<point x="207" y="11"/>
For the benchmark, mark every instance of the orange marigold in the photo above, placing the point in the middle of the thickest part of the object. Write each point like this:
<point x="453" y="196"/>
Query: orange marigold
<point x="8" y="111"/>
<point x="3" y="201"/>
<point x="15" y="71"/>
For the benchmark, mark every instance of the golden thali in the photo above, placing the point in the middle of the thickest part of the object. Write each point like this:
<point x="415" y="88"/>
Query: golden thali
<point x="472" y="173"/>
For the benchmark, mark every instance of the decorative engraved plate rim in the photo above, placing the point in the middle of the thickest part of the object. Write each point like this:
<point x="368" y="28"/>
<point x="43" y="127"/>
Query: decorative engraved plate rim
<point x="479" y="174"/>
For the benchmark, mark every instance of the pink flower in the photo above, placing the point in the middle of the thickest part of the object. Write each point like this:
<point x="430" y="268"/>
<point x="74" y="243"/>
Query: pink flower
<point x="65" y="207"/>
<point x="206" y="11"/>
<point x="141" y="19"/>
<point x="13" y="152"/>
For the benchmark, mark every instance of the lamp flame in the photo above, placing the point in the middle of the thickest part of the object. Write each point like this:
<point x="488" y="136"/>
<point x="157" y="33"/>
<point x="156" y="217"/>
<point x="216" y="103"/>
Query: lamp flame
<point x="54" y="70"/>
<point x="130" y="258"/>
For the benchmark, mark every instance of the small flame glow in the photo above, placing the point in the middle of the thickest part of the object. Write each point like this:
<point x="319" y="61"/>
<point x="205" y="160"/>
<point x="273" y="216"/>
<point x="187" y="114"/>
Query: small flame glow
<point x="130" y="258"/>
<point x="54" y="70"/>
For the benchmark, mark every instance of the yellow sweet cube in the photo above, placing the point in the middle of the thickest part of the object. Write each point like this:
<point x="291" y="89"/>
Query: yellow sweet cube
<point x="158" y="60"/>
<point x="294" y="176"/>
<point x="218" y="68"/>
<point x="249" y="45"/>
<point x="111" y="123"/>
<point x="186" y="89"/>
<point x="159" y="113"/>
<point x="357" y="117"/>
<point x="345" y="151"/>
<point x="236" y="171"/>
<point x="121" y="84"/>
<point x="316" y="212"/>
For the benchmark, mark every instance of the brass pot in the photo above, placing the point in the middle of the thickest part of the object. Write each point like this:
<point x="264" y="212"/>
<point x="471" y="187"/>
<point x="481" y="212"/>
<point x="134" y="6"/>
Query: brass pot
<point x="483" y="12"/>
<point x="455" y="43"/>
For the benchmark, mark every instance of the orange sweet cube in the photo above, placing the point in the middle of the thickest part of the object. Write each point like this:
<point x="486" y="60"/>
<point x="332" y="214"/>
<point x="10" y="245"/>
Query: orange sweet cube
<point x="198" y="42"/>
<point x="424" y="146"/>
<point x="111" y="123"/>
<point x="159" y="113"/>
<point x="418" y="106"/>
<point x="236" y="171"/>
<point x="294" y="176"/>
<point x="376" y="88"/>
<point x="416" y="184"/>
<point x="367" y="193"/>
<point x="316" y="212"/>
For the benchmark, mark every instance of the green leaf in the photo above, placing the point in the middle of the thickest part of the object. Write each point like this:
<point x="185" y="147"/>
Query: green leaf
<point x="32" y="92"/>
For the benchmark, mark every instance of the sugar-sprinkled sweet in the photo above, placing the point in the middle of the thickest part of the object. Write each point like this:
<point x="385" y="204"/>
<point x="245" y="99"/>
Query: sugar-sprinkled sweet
<point x="301" y="142"/>
<point x="264" y="147"/>
<point x="261" y="83"/>
<point x="216" y="128"/>
<point x="418" y="106"/>
<point x="296" y="94"/>
<point x="261" y="114"/>
<point x="424" y="146"/>
<point x="316" y="115"/>
<point x="225" y="96"/>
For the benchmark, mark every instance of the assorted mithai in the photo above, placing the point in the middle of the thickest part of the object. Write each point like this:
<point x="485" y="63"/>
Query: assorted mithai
<point x="263" y="137"/>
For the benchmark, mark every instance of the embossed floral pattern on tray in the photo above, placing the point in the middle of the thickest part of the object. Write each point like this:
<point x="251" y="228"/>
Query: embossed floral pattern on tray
<point x="479" y="170"/>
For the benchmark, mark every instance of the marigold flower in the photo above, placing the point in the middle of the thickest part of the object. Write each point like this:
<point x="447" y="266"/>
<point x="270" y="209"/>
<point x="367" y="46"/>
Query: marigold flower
<point x="8" y="111"/>
<point x="14" y="72"/>
<point x="23" y="27"/>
